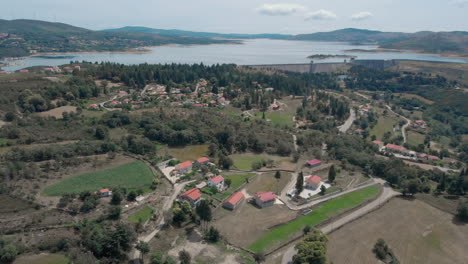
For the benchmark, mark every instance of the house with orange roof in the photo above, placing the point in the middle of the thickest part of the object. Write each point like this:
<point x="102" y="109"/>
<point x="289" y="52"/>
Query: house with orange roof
<point x="184" y="167"/>
<point x="313" y="182"/>
<point x="105" y="192"/>
<point x="233" y="201"/>
<point x="264" y="199"/>
<point x="193" y="196"/>
<point x="202" y="161"/>
<point x="217" y="181"/>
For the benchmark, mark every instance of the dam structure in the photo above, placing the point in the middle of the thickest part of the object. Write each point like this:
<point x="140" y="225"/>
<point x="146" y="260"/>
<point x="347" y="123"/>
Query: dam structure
<point x="325" y="67"/>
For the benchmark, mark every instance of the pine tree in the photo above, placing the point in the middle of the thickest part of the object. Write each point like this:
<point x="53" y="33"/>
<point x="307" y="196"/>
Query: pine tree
<point x="332" y="174"/>
<point x="300" y="183"/>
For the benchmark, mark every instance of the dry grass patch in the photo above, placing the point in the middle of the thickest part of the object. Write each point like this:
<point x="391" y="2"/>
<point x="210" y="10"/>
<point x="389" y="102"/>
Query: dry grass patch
<point x="415" y="231"/>
<point x="57" y="112"/>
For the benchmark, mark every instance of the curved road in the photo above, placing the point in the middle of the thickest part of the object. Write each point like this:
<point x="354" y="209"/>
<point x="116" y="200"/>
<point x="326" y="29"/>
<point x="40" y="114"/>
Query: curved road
<point x="386" y="195"/>
<point x="349" y="122"/>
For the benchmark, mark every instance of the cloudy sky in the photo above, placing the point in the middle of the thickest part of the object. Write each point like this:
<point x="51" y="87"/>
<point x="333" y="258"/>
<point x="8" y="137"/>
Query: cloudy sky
<point x="248" y="16"/>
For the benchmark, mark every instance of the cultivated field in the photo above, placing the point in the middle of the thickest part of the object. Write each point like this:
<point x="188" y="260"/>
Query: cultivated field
<point x="415" y="138"/>
<point x="282" y="234"/>
<point x="385" y="124"/>
<point x="43" y="258"/>
<point x="244" y="161"/>
<point x="141" y="215"/>
<point x="415" y="231"/>
<point x="57" y="112"/>
<point x="131" y="175"/>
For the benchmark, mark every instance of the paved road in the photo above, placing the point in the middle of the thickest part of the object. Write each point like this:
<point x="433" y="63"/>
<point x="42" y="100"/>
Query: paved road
<point x="161" y="222"/>
<point x="403" y="128"/>
<point x="349" y="122"/>
<point x="386" y="194"/>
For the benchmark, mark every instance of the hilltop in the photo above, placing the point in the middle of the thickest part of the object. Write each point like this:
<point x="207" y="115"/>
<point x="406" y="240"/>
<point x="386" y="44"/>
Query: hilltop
<point x="24" y="37"/>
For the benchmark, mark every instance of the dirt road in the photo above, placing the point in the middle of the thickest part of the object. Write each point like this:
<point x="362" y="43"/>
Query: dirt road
<point x="352" y="116"/>
<point x="386" y="195"/>
<point x="161" y="222"/>
<point x="403" y="128"/>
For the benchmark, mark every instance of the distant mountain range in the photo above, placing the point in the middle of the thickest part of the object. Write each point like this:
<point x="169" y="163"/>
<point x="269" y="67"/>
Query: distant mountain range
<point x="176" y="32"/>
<point x="23" y="37"/>
<point x="425" y="41"/>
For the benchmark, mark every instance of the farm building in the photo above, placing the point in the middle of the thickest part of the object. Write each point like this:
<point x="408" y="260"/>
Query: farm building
<point x="217" y="181"/>
<point x="395" y="149"/>
<point x="202" y="161"/>
<point x="378" y="143"/>
<point x="313" y="182"/>
<point x="184" y="167"/>
<point x="265" y="199"/>
<point x="105" y="192"/>
<point x="313" y="163"/>
<point x="93" y="106"/>
<point x="193" y="196"/>
<point x="233" y="201"/>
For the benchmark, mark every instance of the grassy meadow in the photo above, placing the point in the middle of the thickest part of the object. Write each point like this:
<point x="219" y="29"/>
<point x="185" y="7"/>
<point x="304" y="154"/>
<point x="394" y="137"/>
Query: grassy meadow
<point x="132" y="175"/>
<point x="331" y="208"/>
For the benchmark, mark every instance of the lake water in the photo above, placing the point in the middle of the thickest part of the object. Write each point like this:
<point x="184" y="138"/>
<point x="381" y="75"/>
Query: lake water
<point x="257" y="51"/>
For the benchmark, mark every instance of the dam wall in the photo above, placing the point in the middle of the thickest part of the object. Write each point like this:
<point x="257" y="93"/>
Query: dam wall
<point x="302" y="68"/>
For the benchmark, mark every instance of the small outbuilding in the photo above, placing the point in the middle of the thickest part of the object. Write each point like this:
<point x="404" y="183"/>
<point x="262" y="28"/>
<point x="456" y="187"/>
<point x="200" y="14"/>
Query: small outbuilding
<point x="233" y="201"/>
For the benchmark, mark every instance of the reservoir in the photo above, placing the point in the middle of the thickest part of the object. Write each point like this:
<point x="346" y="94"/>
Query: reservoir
<point x="251" y="52"/>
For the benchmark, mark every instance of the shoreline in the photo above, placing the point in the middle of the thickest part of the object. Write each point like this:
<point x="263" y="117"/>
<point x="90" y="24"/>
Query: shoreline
<point x="139" y="50"/>
<point x="379" y="50"/>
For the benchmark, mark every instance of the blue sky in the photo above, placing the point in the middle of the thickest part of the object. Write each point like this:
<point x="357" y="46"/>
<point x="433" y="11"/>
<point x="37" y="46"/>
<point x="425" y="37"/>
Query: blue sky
<point x="248" y="16"/>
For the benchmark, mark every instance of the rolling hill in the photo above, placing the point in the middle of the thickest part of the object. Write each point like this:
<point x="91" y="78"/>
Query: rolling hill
<point x="176" y="32"/>
<point x="22" y="37"/>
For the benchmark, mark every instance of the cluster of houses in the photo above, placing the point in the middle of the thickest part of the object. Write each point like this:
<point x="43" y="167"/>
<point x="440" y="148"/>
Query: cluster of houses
<point x="57" y="69"/>
<point x="122" y="100"/>
<point x="187" y="166"/>
<point x="403" y="152"/>
<point x="202" y="97"/>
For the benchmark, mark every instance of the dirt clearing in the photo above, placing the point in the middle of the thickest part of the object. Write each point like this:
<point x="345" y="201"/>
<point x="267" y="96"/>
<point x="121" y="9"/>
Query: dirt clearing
<point x="415" y="231"/>
<point x="57" y="112"/>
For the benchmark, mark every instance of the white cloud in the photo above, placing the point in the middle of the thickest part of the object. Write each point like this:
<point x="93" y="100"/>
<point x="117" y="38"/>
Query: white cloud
<point x="280" y="9"/>
<point x="321" y="15"/>
<point x="460" y="3"/>
<point x="361" y="16"/>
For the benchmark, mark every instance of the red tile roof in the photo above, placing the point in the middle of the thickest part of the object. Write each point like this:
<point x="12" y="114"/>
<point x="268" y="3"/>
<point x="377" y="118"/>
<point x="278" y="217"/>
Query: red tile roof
<point x="420" y="121"/>
<point x="422" y="155"/>
<point x="266" y="196"/>
<point x="314" y="162"/>
<point x="217" y="179"/>
<point x="202" y="159"/>
<point x="395" y="147"/>
<point x="104" y="190"/>
<point x="123" y="92"/>
<point x="314" y="178"/>
<point x="193" y="194"/>
<point x="431" y="157"/>
<point x="377" y="142"/>
<point x="235" y="198"/>
<point x="185" y="164"/>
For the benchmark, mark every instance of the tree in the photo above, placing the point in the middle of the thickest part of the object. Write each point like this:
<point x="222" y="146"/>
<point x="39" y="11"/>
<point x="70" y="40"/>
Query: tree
<point x="323" y="190"/>
<point x="8" y="252"/>
<point x="332" y="174"/>
<point x="225" y="162"/>
<point x="114" y="212"/>
<point x="203" y="211"/>
<point x="462" y="211"/>
<point x="277" y="177"/>
<point x="178" y="216"/>
<point x="306" y="229"/>
<point x="312" y="249"/>
<point x="144" y="249"/>
<point x="380" y="249"/>
<point x="228" y="182"/>
<point x="131" y="196"/>
<point x="300" y="183"/>
<point x="212" y="235"/>
<point x="9" y="117"/>
<point x="259" y="257"/>
<point x="184" y="257"/>
<point x="116" y="197"/>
